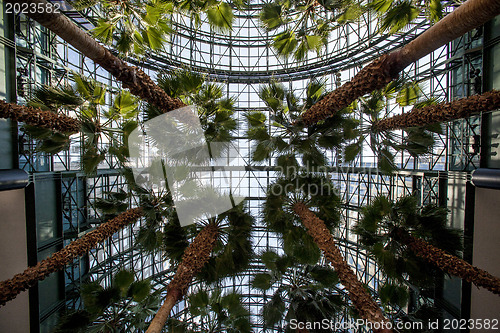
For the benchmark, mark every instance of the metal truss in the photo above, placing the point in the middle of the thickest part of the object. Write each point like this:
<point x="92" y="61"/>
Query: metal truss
<point x="243" y="61"/>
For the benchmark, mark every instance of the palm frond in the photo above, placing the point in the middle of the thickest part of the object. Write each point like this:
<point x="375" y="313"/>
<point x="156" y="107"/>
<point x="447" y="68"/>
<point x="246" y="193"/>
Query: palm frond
<point x="285" y="43"/>
<point x="271" y="16"/>
<point x="398" y="17"/>
<point x="221" y="17"/>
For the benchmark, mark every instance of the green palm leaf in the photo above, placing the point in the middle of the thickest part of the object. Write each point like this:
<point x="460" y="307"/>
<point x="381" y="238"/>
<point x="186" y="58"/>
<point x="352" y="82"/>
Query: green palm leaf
<point x="434" y="10"/>
<point x="408" y="94"/>
<point x="271" y="16"/>
<point x="153" y="37"/>
<point x="255" y="118"/>
<point x="139" y="290"/>
<point x="380" y="6"/>
<point x="394" y="294"/>
<point x="351" y="151"/>
<point x="125" y="105"/>
<point x="221" y="17"/>
<point x="153" y="15"/>
<point x="51" y="98"/>
<point x="91" y="159"/>
<point x="285" y="43"/>
<point x="350" y="14"/>
<point x="308" y="43"/>
<point x="314" y="91"/>
<point x="122" y="280"/>
<point x="399" y="16"/>
<point x="386" y="161"/>
<point x="104" y="30"/>
<point x="324" y="275"/>
<point x="273" y="311"/>
<point x="262" y="281"/>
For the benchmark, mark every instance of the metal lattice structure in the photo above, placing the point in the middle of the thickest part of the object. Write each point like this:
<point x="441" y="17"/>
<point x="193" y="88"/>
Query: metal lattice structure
<point x="242" y="61"/>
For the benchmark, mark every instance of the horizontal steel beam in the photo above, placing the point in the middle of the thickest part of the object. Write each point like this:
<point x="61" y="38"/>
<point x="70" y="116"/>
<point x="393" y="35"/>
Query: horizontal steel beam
<point x="13" y="179"/>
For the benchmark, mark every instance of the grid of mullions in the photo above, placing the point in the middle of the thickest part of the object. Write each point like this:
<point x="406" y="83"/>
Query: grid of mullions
<point x="49" y="60"/>
<point x="234" y="64"/>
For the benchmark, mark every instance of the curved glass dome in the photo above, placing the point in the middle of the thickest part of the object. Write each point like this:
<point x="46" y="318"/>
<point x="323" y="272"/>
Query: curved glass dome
<point x="242" y="61"/>
<point x="246" y="52"/>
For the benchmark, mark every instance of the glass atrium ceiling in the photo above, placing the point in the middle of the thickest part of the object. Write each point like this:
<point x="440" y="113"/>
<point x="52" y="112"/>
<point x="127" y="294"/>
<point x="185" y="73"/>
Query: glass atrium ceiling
<point x="243" y="61"/>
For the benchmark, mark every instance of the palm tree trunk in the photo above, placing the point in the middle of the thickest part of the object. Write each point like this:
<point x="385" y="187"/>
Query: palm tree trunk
<point x="139" y="83"/>
<point x="363" y="302"/>
<point x="193" y="260"/>
<point x="449" y="263"/>
<point x="37" y="117"/>
<point x="383" y="70"/>
<point x="173" y="296"/>
<point x="9" y="289"/>
<point x="442" y="112"/>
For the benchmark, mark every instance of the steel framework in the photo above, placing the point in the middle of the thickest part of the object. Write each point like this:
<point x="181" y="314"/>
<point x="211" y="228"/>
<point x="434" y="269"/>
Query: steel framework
<point x="243" y="61"/>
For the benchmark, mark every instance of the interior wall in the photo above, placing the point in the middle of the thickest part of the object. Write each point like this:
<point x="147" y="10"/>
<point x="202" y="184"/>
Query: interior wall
<point x="455" y="201"/>
<point x="14" y="316"/>
<point x="491" y="68"/>
<point x="7" y="77"/>
<point x="484" y="304"/>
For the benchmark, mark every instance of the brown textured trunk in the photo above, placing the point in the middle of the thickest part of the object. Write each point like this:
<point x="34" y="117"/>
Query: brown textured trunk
<point x="380" y="72"/>
<point x="449" y="263"/>
<point x="139" y="83"/>
<point x="470" y="15"/>
<point x="374" y="76"/>
<point x="363" y="302"/>
<point x="193" y="260"/>
<point x="173" y="296"/>
<point x="442" y="112"/>
<point x="37" y="117"/>
<point x="9" y="289"/>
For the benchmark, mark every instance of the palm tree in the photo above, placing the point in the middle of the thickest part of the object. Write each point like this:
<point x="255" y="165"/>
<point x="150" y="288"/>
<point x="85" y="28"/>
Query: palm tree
<point x="138" y="82"/>
<point x="130" y="26"/>
<point x="227" y="236"/>
<point x="46" y="121"/>
<point x="307" y="289"/>
<point x="215" y="114"/>
<point x="304" y="26"/>
<point x="407" y="239"/>
<point x="215" y="109"/>
<point x="219" y="13"/>
<point x="376" y="75"/>
<point x="363" y="302"/>
<point x="442" y="112"/>
<point x="449" y="263"/>
<point x="87" y="100"/>
<point x="123" y="306"/>
<point x="10" y="288"/>
<point x="290" y="143"/>
<point x="288" y="205"/>
<point x="97" y="124"/>
<point x="395" y="16"/>
<point x="373" y="109"/>
<point x="37" y="117"/>
<point x="195" y="256"/>
<point x="400" y="265"/>
<point x="153" y="208"/>
<point x="62" y="101"/>
<point x="213" y="312"/>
